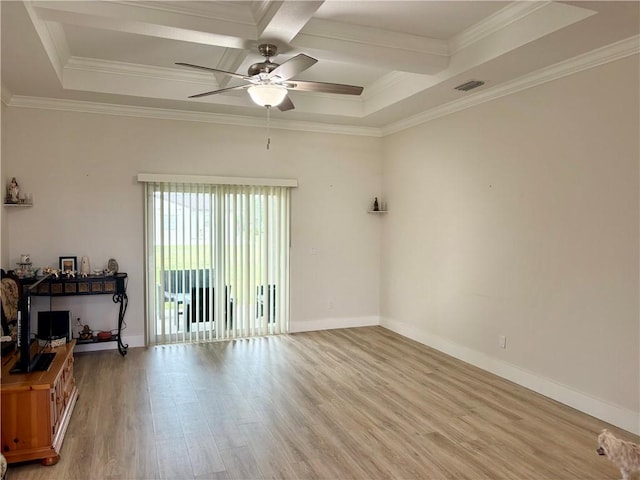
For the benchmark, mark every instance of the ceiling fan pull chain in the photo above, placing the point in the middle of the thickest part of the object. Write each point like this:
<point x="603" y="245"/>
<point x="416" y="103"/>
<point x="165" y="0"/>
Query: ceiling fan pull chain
<point x="268" y="126"/>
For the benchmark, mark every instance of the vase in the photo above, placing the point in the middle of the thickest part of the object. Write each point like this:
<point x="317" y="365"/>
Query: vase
<point x="85" y="269"/>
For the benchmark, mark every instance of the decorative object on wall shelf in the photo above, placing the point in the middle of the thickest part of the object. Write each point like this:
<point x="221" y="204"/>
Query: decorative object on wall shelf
<point x="14" y="198"/>
<point x="378" y="207"/>
<point x="13" y="191"/>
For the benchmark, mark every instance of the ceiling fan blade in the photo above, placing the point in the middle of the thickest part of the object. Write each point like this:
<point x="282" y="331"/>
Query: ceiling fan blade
<point x="293" y="66"/>
<point x="286" y="104"/>
<point x="209" y="69"/>
<point x="213" y="92"/>
<point x="324" y="87"/>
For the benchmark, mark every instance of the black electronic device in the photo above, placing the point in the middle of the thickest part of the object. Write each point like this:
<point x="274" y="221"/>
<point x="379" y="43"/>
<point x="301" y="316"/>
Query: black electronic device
<point x="29" y="360"/>
<point x="54" y="325"/>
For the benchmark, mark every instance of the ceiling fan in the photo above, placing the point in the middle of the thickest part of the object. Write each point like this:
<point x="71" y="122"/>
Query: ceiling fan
<point x="269" y="82"/>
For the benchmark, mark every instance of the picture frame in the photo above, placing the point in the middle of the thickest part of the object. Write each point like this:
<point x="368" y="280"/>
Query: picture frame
<point x="68" y="263"/>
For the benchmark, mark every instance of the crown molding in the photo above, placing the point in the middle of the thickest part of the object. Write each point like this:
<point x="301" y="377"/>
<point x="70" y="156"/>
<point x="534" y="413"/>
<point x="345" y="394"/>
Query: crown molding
<point x="610" y="53"/>
<point x="186" y="116"/>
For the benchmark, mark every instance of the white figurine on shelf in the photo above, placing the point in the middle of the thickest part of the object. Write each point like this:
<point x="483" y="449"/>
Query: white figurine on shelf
<point x="13" y="191"/>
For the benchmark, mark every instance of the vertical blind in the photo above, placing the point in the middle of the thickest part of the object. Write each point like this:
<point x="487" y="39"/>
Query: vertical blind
<point x="217" y="261"/>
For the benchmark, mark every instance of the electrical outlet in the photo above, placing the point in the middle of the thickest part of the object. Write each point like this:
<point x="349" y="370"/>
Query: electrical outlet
<point x="503" y="341"/>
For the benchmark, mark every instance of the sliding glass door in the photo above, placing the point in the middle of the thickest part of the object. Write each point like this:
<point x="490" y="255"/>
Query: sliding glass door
<point x="217" y="261"/>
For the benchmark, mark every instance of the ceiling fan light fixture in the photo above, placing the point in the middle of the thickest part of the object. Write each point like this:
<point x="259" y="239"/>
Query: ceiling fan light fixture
<point x="267" y="95"/>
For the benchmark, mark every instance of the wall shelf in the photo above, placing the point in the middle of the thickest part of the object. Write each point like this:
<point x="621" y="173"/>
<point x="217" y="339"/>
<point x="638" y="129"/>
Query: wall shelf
<point x="18" y="204"/>
<point x="377" y="211"/>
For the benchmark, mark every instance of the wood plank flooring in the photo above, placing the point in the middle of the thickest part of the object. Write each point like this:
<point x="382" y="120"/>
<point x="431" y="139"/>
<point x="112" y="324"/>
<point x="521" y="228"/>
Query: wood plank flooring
<point x="361" y="403"/>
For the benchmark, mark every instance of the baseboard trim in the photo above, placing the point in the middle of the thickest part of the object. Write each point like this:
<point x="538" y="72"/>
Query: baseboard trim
<point x="614" y="414"/>
<point x="333" y="323"/>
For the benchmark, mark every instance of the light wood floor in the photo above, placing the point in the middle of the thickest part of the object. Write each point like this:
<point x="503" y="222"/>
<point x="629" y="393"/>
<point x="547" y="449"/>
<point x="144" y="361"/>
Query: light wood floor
<point x="359" y="403"/>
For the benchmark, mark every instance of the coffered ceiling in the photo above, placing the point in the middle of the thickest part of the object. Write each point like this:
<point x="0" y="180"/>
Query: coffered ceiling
<point x="408" y="55"/>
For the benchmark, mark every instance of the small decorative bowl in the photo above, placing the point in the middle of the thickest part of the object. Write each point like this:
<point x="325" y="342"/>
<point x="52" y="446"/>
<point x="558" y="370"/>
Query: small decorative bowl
<point x="104" y="335"/>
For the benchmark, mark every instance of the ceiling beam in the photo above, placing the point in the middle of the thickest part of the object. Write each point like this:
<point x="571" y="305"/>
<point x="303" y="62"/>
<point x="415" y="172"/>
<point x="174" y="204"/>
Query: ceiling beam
<point x="154" y="22"/>
<point x="375" y="47"/>
<point x="230" y="61"/>
<point x="277" y="22"/>
<point x="282" y="21"/>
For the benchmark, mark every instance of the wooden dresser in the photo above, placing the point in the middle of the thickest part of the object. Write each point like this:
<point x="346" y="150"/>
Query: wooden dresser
<point x="36" y="408"/>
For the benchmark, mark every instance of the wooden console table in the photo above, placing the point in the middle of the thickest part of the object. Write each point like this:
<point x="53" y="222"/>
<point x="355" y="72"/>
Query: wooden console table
<point x="115" y="285"/>
<point x="37" y="407"/>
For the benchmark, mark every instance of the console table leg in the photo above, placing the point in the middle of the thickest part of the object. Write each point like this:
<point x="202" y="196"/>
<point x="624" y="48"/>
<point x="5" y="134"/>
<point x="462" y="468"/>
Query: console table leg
<point x="123" y="300"/>
<point x="122" y="348"/>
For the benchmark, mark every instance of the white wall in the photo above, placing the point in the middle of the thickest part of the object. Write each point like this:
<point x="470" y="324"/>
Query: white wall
<point x="519" y="217"/>
<point x="81" y="169"/>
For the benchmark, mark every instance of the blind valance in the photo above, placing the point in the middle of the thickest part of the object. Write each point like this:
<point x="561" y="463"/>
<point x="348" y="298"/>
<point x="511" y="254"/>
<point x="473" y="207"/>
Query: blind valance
<point x="216" y="180"/>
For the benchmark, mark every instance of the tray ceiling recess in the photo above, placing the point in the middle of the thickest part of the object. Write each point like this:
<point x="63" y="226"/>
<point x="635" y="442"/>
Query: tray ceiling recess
<point x="409" y="57"/>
